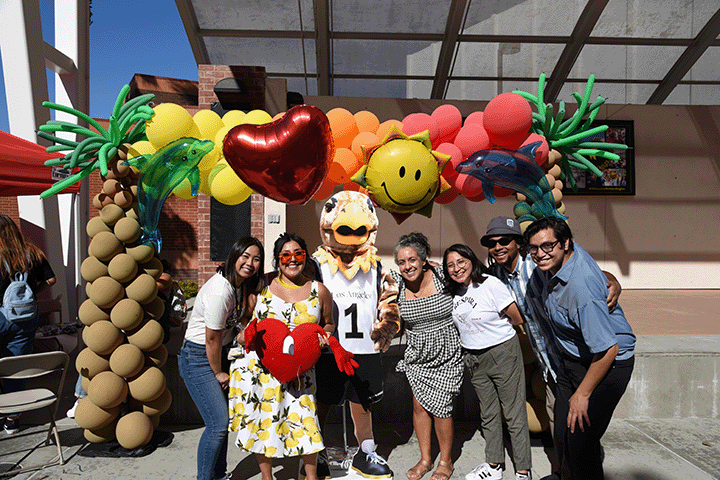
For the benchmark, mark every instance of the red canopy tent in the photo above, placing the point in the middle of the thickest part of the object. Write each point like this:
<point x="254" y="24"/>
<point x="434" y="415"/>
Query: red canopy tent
<point x="22" y="168"/>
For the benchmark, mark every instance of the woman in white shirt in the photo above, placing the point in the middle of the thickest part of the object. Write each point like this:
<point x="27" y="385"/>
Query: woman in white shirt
<point x="221" y="303"/>
<point x="484" y="313"/>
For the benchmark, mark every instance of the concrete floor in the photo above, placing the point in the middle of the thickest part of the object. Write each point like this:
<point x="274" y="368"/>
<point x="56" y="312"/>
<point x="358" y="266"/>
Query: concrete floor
<point x="687" y="449"/>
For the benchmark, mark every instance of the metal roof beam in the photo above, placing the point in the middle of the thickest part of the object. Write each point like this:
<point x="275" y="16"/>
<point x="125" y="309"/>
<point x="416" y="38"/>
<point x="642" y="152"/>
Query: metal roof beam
<point x="438" y="37"/>
<point x="322" y="47"/>
<point x="57" y="61"/>
<point x="688" y="58"/>
<point x="452" y="30"/>
<point x="581" y="32"/>
<point x="192" y="29"/>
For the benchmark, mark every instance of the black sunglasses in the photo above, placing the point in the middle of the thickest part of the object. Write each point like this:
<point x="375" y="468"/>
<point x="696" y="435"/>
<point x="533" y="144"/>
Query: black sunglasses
<point x="504" y="241"/>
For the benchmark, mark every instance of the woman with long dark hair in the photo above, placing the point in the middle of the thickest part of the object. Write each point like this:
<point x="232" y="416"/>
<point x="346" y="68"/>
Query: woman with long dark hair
<point x="18" y="256"/>
<point x="484" y="314"/>
<point x="226" y="298"/>
<point x="276" y="419"/>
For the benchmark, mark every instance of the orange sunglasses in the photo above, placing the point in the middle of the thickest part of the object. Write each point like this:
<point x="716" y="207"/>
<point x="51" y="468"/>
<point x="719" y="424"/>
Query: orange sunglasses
<point x="287" y="257"/>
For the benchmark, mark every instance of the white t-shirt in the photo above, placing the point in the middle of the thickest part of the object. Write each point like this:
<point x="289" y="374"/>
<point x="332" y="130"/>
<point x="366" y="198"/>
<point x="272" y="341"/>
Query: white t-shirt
<point x="214" y="304"/>
<point x="477" y="314"/>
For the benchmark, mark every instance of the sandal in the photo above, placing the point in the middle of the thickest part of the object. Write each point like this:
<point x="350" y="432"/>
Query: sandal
<point x="443" y="471"/>
<point x="419" y="470"/>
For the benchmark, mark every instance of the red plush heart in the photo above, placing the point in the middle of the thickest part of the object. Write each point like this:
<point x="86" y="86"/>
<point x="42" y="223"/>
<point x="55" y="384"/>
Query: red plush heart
<point x="286" y="160"/>
<point x="286" y="354"/>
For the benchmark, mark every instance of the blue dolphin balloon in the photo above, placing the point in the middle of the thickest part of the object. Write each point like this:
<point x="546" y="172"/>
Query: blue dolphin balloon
<point x="517" y="171"/>
<point x="160" y="173"/>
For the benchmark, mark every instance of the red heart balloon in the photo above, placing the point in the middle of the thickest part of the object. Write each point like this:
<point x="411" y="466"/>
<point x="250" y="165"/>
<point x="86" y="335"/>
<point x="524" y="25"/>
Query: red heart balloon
<point x="286" y="160"/>
<point x="287" y="354"/>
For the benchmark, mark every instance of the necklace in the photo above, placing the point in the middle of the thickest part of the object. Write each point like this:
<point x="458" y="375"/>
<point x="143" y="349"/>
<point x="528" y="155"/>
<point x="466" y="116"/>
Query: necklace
<point x="290" y="285"/>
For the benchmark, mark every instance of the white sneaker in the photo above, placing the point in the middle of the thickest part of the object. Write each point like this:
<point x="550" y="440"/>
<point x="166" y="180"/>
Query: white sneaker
<point x="71" y="412"/>
<point x="485" y="472"/>
<point x="523" y="476"/>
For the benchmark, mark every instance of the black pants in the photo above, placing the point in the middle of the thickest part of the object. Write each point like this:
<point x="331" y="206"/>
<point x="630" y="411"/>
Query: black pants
<point x="581" y="452"/>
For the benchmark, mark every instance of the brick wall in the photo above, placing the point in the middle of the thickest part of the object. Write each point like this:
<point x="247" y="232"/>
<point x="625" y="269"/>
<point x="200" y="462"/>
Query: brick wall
<point x="9" y="207"/>
<point x="254" y="80"/>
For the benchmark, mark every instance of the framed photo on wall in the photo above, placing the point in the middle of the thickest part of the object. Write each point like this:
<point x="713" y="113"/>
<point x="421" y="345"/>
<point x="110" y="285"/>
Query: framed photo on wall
<point x="618" y="176"/>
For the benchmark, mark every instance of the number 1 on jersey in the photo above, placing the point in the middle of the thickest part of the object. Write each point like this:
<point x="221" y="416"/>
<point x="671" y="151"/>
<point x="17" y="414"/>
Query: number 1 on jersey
<point x="351" y="311"/>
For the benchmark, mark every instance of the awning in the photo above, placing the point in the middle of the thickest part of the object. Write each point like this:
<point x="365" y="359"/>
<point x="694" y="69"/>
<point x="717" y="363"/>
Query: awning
<point x="23" y="170"/>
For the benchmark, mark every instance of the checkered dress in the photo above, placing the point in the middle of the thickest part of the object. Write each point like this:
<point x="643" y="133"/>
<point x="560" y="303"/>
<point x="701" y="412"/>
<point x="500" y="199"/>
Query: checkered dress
<point x="433" y="360"/>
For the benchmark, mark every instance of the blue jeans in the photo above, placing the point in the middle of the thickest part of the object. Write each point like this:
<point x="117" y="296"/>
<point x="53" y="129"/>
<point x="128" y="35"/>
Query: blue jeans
<point x="16" y="339"/>
<point x="212" y="402"/>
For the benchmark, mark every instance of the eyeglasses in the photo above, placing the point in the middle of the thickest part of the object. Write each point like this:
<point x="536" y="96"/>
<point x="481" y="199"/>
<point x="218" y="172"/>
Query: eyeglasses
<point x="462" y="263"/>
<point x="504" y="241"/>
<point x="546" y="247"/>
<point x="287" y="257"/>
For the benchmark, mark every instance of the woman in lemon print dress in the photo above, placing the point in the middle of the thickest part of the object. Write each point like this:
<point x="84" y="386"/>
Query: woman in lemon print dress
<point x="275" y="419"/>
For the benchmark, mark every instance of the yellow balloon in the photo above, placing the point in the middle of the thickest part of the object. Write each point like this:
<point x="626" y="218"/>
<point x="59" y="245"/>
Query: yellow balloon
<point x="227" y="188"/>
<point x="257" y="117"/>
<point x="184" y="190"/>
<point x="194" y="132"/>
<point x="204" y="182"/>
<point x="211" y="159"/>
<point x="170" y="122"/>
<point x="278" y="116"/>
<point x="216" y="169"/>
<point x="218" y="140"/>
<point x="143" y="147"/>
<point x="233" y="118"/>
<point x="208" y="122"/>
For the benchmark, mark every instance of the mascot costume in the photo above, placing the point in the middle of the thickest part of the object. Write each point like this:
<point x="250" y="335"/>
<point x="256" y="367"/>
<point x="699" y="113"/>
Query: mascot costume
<point x="367" y="318"/>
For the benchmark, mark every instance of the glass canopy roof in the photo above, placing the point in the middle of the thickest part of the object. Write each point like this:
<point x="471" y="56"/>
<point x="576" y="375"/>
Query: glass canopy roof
<point x="640" y="51"/>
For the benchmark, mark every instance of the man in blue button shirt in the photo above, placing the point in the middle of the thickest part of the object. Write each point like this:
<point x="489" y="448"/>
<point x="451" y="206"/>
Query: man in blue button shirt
<point x="597" y="346"/>
<point x="508" y="261"/>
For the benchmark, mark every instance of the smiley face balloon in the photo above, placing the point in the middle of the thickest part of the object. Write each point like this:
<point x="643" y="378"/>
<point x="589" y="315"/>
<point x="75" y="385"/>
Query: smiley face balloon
<point x="402" y="174"/>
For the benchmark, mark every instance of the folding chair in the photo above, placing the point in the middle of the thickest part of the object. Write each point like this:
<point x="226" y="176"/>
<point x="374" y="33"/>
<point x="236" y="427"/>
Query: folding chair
<point x="27" y="367"/>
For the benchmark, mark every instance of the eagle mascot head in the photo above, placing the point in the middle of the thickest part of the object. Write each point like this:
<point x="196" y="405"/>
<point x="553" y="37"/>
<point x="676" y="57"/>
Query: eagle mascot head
<point x="348" y="227"/>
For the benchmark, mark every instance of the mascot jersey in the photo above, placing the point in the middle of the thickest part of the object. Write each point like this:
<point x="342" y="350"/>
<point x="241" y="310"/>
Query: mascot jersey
<point x="357" y="304"/>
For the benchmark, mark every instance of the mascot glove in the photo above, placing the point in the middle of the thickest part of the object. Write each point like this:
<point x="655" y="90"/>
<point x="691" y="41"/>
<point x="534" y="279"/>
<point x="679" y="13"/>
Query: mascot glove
<point x="343" y="358"/>
<point x="383" y="333"/>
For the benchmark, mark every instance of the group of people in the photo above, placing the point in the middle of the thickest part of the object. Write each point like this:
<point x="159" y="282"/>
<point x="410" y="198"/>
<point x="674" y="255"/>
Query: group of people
<point x="457" y="316"/>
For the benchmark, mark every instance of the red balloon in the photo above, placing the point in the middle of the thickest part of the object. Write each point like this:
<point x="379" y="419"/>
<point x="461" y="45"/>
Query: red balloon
<point x="475" y="118"/>
<point x="501" y="192"/>
<point x="455" y="158"/>
<point x="472" y="138"/>
<point x="419" y="122"/>
<point x="449" y="121"/>
<point x="541" y="154"/>
<point x="286" y="160"/>
<point x="477" y="198"/>
<point x="468" y="185"/>
<point x="507" y="119"/>
<point x="447" y="196"/>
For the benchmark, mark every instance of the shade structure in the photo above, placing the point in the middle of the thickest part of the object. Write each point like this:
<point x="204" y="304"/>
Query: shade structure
<point x="23" y="170"/>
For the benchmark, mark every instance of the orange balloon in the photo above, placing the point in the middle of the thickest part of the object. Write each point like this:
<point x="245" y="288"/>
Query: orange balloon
<point x="343" y="126"/>
<point x="366" y="121"/>
<point x="384" y="127"/>
<point x="324" y="192"/>
<point x="363" y="138"/>
<point x="344" y="165"/>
